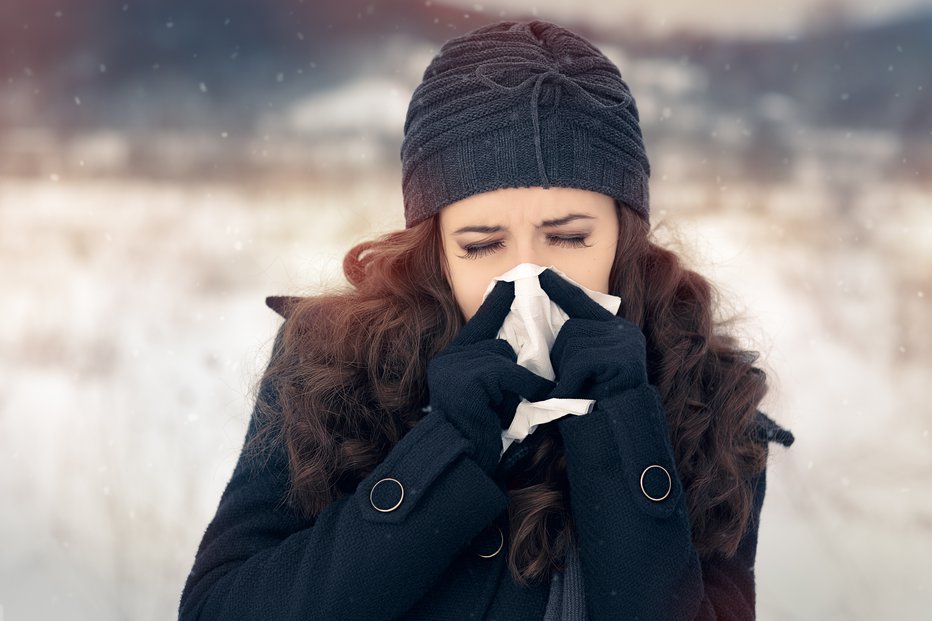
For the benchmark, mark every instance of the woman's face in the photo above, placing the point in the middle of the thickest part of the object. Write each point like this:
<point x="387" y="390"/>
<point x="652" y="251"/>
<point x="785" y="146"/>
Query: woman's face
<point x="487" y="234"/>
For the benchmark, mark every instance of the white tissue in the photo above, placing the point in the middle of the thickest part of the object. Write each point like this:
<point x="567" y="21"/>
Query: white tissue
<point x="530" y="328"/>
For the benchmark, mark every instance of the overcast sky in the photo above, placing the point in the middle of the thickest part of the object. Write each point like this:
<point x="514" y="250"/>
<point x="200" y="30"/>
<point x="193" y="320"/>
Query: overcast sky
<point x="784" y="18"/>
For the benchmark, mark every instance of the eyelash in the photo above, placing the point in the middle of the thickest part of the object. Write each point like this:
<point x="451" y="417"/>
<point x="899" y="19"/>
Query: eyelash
<point x="474" y="252"/>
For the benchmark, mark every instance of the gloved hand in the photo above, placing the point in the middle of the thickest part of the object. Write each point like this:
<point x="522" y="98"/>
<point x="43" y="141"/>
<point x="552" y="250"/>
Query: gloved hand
<point x="596" y="354"/>
<point x="477" y="383"/>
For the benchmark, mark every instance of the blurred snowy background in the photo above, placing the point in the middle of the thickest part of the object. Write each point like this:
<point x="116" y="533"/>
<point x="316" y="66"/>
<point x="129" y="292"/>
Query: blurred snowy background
<point x="165" y="166"/>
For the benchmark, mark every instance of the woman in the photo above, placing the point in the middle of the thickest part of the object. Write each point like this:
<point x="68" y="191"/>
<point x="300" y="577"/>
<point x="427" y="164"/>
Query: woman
<point x="371" y="484"/>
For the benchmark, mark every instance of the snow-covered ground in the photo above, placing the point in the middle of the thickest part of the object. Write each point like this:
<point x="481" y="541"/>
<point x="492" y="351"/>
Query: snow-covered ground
<point x="133" y="328"/>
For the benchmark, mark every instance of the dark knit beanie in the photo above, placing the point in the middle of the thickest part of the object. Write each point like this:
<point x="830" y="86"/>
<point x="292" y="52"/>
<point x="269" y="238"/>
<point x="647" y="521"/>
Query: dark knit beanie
<point x="521" y="104"/>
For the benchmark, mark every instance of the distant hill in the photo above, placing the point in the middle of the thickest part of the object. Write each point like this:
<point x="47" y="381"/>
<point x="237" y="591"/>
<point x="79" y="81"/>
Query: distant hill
<point x="863" y="77"/>
<point x="144" y="65"/>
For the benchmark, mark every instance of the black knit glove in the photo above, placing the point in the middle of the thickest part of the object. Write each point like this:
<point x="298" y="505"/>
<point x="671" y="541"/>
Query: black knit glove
<point x="476" y="382"/>
<point x="596" y="354"/>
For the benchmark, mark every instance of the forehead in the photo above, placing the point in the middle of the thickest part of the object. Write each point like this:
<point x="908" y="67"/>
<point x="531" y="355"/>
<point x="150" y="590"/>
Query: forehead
<point x="532" y="203"/>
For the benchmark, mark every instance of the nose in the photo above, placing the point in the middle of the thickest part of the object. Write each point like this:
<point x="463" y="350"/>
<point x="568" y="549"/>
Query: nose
<point x="529" y="253"/>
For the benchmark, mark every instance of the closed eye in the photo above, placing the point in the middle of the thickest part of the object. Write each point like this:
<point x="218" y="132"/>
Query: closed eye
<point x="474" y="251"/>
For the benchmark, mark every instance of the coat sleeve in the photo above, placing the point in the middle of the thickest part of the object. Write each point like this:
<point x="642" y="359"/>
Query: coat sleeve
<point x="370" y="555"/>
<point x="633" y="530"/>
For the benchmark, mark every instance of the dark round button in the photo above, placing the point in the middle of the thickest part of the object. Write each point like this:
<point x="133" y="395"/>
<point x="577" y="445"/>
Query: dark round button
<point x="656" y="482"/>
<point x="389" y="496"/>
<point x="490" y="542"/>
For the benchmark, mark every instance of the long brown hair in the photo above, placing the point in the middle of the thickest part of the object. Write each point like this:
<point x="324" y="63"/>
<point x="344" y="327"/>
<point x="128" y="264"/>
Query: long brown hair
<point x="347" y="381"/>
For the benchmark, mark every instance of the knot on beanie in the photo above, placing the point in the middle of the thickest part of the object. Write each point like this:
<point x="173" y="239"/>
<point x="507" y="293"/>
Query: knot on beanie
<point x="521" y="104"/>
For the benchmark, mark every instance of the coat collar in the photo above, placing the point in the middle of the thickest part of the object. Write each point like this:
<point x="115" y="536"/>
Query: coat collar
<point x="282" y="304"/>
<point x="516" y="452"/>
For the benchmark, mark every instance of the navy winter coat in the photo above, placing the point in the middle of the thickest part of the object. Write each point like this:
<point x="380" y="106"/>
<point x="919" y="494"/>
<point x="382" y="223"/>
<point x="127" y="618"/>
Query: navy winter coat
<point x="425" y="535"/>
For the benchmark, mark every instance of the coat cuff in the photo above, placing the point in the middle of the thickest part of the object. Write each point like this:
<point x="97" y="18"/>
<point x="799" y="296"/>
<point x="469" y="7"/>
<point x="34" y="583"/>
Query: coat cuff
<point x="627" y="433"/>
<point x="397" y="485"/>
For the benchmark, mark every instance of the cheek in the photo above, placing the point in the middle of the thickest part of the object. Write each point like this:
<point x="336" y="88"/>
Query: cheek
<point x="593" y="281"/>
<point x="468" y="283"/>
<point x="469" y="293"/>
<point x="591" y="271"/>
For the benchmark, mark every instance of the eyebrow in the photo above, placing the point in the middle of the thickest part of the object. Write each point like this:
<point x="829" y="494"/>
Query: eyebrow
<point x="545" y="223"/>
